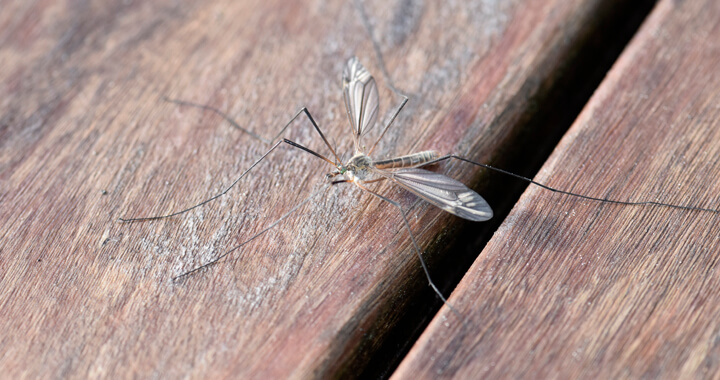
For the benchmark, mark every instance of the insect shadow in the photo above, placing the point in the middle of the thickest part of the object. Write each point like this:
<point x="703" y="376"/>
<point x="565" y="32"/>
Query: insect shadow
<point x="362" y="104"/>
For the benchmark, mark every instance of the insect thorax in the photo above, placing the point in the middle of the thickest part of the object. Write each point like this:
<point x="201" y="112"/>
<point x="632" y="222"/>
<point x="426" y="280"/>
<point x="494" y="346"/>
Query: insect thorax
<point x="359" y="168"/>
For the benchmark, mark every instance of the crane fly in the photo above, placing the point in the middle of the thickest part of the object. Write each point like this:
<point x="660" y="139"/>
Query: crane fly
<point x="361" y="100"/>
<point x="362" y="105"/>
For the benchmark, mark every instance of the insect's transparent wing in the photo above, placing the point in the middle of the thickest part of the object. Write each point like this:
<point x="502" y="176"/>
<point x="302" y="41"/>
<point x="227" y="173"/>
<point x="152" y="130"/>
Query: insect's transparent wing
<point x="442" y="191"/>
<point x="361" y="98"/>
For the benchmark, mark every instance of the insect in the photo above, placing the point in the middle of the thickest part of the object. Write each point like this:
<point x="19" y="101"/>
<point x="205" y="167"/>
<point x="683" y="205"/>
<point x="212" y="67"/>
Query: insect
<point x="362" y="104"/>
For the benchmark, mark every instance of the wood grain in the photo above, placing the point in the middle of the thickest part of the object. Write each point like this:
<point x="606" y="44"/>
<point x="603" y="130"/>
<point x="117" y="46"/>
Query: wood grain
<point x="569" y="288"/>
<point x="86" y="138"/>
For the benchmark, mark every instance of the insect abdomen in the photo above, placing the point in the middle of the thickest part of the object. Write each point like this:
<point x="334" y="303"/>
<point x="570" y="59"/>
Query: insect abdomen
<point x="409" y="161"/>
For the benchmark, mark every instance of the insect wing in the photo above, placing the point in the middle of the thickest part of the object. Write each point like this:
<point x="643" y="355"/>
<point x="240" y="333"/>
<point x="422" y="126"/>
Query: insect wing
<point x="444" y="192"/>
<point x="361" y="98"/>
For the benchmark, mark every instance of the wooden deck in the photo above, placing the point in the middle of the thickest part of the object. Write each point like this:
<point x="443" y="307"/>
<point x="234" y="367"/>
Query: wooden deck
<point x="566" y="288"/>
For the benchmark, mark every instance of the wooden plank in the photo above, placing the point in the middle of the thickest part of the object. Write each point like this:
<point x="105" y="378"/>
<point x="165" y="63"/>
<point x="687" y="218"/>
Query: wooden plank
<point x="86" y="138"/>
<point x="569" y="288"/>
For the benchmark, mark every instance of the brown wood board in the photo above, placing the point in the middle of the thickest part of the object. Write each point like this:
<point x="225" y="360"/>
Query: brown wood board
<point x="569" y="288"/>
<point x="86" y="138"/>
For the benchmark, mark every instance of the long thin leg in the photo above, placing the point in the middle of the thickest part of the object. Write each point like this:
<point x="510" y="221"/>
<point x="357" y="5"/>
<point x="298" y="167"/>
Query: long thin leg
<point x="286" y="141"/>
<point x="376" y="47"/>
<point x="417" y="249"/>
<point x="397" y="112"/>
<point x="252" y="134"/>
<point x="226" y="117"/>
<point x="383" y="68"/>
<point x="266" y="229"/>
<point x="289" y="142"/>
<point x="546" y="187"/>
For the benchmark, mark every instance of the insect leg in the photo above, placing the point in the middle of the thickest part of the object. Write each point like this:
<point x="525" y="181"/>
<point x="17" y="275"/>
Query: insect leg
<point x="559" y="191"/>
<point x="286" y="141"/>
<point x="226" y="117"/>
<point x="397" y="112"/>
<point x="381" y="61"/>
<point x="269" y="227"/>
<point x="417" y="248"/>
<point x="252" y="134"/>
<point x="376" y="47"/>
<point x="289" y="142"/>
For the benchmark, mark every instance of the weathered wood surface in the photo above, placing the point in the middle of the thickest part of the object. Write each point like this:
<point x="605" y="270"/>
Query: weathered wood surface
<point x="569" y="288"/>
<point x="86" y="138"/>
